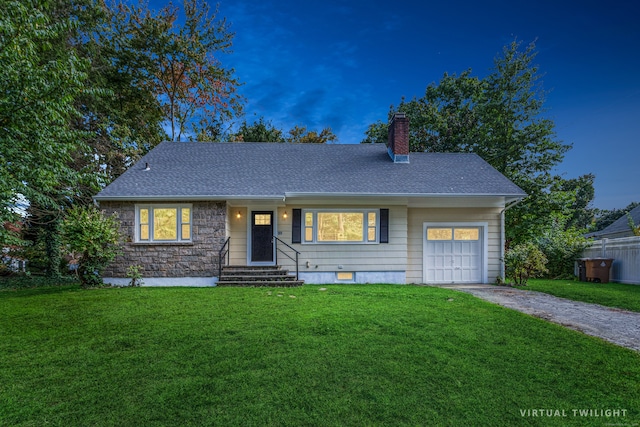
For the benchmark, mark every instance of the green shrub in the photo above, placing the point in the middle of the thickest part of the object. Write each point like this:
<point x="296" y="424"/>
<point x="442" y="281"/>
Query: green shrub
<point x="561" y="248"/>
<point x="134" y="273"/>
<point x="96" y="237"/>
<point x="523" y="261"/>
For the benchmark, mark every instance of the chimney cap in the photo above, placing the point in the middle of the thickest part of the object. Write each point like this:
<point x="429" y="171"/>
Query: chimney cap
<point x="399" y="115"/>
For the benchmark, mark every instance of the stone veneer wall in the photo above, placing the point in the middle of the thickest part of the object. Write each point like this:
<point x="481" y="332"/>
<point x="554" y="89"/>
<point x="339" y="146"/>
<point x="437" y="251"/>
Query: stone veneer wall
<point x="198" y="258"/>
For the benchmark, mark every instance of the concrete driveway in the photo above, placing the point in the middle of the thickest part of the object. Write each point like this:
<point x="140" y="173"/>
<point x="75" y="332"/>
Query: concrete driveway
<point x="618" y="326"/>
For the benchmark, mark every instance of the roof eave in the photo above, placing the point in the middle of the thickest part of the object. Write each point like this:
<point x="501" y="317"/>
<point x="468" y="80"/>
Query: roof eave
<point x="330" y="194"/>
<point x="181" y="198"/>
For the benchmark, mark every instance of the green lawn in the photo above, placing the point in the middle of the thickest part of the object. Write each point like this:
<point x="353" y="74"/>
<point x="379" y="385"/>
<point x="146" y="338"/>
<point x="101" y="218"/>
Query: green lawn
<point x="609" y="294"/>
<point x="347" y="355"/>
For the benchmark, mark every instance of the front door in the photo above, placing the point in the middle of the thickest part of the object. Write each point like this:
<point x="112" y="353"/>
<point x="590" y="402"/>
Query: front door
<point x="261" y="236"/>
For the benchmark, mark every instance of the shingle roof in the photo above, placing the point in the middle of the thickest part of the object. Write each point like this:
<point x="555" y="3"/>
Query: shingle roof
<point x="226" y="170"/>
<point x="620" y="227"/>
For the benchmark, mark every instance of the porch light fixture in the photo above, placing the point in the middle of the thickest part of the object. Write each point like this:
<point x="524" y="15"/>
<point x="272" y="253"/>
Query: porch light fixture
<point x="238" y="215"/>
<point x="284" y="215"/>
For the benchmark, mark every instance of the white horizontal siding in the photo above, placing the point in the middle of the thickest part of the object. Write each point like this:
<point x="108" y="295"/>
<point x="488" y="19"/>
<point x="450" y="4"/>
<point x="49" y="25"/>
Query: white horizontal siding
<point x="238" y="234"/>
<point x="349" y="257"/>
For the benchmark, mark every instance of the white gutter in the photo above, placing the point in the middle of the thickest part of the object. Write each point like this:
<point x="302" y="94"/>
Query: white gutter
<point x="183" y="198"/>
<point x="202" y="197"/>
<point x="356" y="194"/>
<point x="502" y="233"/>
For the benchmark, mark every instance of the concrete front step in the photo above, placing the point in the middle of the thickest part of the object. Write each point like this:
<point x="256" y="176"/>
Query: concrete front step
<point x="265" y="273"/>
<point x="243" y="275"/>
<point x="259" y="283"/>
<point x="249" y="278"/>
<point x="251" y="267"/>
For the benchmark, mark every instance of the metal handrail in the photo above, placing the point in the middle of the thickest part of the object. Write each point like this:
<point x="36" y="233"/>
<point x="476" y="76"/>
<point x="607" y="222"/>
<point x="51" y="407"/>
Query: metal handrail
<point x="222" y="253"/>
<point x="276" y="240"/>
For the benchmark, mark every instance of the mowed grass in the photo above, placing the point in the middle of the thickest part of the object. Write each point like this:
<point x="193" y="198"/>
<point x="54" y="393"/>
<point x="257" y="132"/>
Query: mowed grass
<point x="347" y="355"/>
<point x="617" y="295"/>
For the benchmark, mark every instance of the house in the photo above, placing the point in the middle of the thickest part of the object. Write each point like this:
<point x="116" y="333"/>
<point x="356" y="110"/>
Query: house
<point x="618" y="228"/>
<point x="365" y="213"/>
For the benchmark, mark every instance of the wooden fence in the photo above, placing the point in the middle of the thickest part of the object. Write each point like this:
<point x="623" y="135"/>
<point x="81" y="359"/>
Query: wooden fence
<point x="625" y="252"/>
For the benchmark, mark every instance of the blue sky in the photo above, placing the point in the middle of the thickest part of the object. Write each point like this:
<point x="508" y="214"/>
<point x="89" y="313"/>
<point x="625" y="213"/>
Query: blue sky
<point x="343" y="63"/>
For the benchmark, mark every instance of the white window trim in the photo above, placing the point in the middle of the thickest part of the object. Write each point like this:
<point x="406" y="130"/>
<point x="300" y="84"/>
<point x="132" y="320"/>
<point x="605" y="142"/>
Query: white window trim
<point x="315" y="212"/>
<point x="152" y="207"/>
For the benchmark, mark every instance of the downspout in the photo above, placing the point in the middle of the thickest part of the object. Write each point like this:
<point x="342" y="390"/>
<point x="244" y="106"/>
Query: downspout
<point x="502" y="234"/>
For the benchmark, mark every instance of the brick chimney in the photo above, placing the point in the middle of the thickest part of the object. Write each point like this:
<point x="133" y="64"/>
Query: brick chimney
<point x="398" y="142"/>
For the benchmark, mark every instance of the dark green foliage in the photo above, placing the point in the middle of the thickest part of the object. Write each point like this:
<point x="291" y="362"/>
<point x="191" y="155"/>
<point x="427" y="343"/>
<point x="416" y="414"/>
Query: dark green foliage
<point x="264" y="131"/>
<point x="524" y="261"/>
<point x="561" y="247"/>
<point x="95" y="238"/>
<point x="635" y="228"/>
<point x="40" y="80"/>
<point x="258" y="131"/>
<point x="501" y="118"/>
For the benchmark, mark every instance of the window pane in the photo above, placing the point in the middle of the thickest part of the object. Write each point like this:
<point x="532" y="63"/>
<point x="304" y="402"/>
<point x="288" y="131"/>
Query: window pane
<point x="165" y="224"/>
<point x="308" y="234"/>
<point x="186" y="231"/>
<point x="144" y="232"/>
<point x="371" y="237"/>
<point x="340" y="226"/>
<point x="344" y="276"/>
<point x="262" y="219"/>
<point x="439" y="234"/>
<point x="186" y="215"/>
<point x="308" y="219"/>
<point x="466" y="234"/>
<point x="372" y="219"/>
<point x="144" y="216"/>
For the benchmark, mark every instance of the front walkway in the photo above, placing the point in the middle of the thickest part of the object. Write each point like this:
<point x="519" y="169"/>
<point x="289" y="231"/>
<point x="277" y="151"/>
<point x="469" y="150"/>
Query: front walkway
<point x="618" y="326"/>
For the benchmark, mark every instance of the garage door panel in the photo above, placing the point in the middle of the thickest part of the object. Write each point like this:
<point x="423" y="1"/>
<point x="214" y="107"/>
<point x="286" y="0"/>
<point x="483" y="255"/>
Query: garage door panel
<point x="451" y="261"/>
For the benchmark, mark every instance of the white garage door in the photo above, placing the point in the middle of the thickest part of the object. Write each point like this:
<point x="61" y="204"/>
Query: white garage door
<point x="453" y="254"/>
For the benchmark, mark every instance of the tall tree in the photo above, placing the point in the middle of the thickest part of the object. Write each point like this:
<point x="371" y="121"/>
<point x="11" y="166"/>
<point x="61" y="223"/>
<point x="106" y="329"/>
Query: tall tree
<point x="40" y="80"/>
<point x="501" y="118"/>
<point x="123" y="118"/>
<point x="195" y="90"/>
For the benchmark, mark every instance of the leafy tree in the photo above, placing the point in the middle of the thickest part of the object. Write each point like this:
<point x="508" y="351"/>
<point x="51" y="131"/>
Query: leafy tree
<point x="561" y="246"/>
<point x="635" y="229"/>
<point x="196" y="92"/>
<point x="122" y="117"/>
<point x="300" y="134"/>
<point x="95" y="237"/>
<point x="581" y="214"/>
<point x="265" y="131"/>
<point x="499" y="117"/>
<point x="259" y="131"/>
<point x="39" y="82"/>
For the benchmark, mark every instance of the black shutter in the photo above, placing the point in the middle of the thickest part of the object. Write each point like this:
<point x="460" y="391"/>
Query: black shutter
<point x="296" y="227"/>
<point x="384" y="225"/>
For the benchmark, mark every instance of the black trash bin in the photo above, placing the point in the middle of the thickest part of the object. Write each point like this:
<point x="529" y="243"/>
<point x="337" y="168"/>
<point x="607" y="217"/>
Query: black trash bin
<point x="582" y="269"/>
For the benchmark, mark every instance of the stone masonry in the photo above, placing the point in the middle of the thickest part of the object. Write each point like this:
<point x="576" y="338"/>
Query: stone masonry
<point x="198" y="258"/>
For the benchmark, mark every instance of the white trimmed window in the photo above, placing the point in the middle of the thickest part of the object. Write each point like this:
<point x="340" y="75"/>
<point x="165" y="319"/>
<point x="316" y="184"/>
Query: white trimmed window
<point x="163" y="223"/>
<point x="341" y="226"/>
